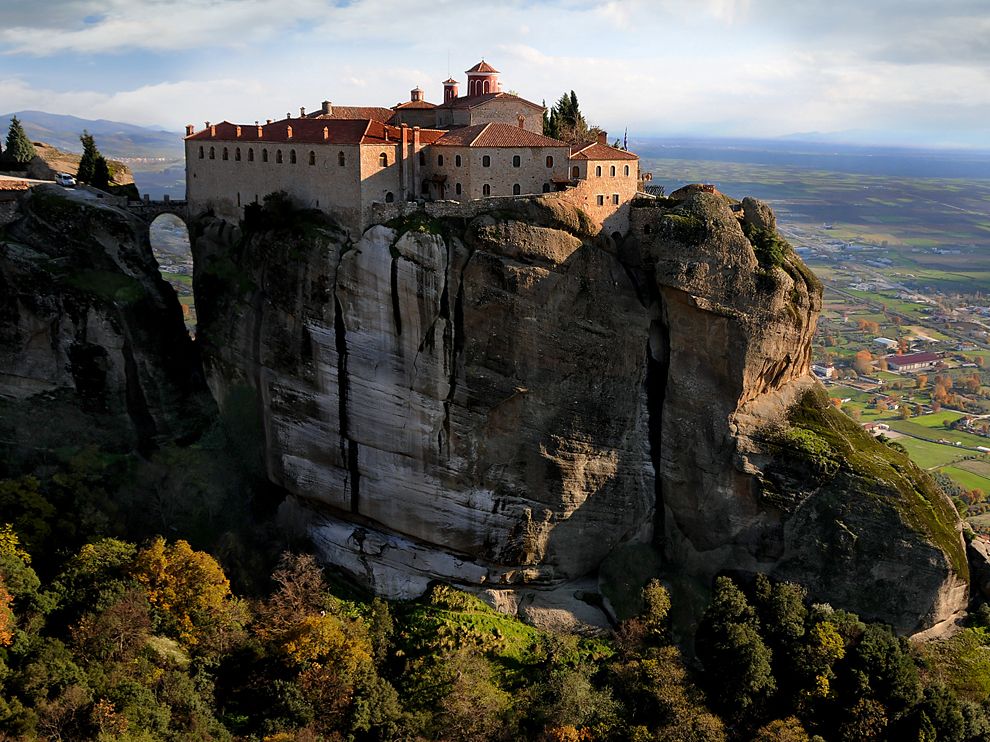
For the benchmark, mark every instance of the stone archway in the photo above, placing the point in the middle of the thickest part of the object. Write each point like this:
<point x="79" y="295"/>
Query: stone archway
<point x="168" y="234"/>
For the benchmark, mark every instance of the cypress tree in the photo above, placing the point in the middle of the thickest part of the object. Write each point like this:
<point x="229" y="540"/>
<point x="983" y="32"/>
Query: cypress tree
<point x="101" y="174"/>
<point x="19" y="147"/>
<point x="87" y="163"/>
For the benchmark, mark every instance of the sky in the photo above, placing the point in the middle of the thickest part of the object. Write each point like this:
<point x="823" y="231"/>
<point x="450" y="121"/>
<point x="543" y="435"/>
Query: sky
<point x="892" y="72"/>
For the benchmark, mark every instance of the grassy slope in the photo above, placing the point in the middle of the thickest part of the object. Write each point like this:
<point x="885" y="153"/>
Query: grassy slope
<point x="920" y="503"/>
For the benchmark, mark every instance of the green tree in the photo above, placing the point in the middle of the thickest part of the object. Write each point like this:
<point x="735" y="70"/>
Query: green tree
<point x="736" y="659"/>
<point x="19" y="147"/>
<point x="87" y="163"/>
<point x="101" y="174"/>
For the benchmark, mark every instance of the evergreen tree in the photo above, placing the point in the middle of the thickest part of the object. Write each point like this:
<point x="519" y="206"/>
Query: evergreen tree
<point x="546" y="119"/>
<point x="101" y="174"/>
<point x="19" y="147"/>
<point x="736" y="659"/>
<point x="87" y="163"/>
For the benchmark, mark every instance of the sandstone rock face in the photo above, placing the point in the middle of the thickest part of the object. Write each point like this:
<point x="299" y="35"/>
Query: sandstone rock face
<point x="89" y="330"/>
<point x="472" y="399"/>
<point x="757" y="473"/>
<point x="501" y="400"/>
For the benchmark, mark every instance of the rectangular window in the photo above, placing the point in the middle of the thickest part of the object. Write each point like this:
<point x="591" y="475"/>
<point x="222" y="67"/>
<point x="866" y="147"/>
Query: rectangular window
<point x="615" y="198"/>
<point x="601" y="200"/>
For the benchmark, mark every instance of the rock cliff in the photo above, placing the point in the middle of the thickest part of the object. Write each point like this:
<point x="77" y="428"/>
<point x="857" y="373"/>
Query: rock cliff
<point x="501" y="399"/>
<point x="504" y="400"/>
<point x="90" y="346"/>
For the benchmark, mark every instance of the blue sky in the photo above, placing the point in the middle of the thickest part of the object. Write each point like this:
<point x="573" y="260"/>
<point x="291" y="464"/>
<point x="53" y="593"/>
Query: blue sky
<point x="879" y="71"/>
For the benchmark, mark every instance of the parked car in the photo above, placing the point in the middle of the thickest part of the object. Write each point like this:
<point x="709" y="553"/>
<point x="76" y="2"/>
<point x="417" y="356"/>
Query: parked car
<point x="64" y="179"/>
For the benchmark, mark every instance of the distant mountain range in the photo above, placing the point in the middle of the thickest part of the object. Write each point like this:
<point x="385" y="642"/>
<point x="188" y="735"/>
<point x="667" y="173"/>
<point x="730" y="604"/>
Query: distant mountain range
<point x="113" y="138"/>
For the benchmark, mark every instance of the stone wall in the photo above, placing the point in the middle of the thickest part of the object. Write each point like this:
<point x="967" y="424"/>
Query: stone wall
<point x="226" y="186"/>
<point x="532" y="175"/>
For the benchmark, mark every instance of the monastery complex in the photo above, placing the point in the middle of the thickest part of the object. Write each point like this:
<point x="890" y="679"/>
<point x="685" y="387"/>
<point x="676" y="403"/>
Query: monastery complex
<point x="345" y="160"/>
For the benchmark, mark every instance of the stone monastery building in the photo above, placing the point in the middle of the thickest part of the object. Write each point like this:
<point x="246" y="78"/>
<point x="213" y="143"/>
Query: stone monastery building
<point x="345" y="160"/>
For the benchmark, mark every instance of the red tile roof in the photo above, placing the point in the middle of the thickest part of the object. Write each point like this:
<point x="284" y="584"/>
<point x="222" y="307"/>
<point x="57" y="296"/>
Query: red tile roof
<point x="413" y="104"/>
<point x="306" y="131"/>
<point x="470" y="101"/>
<point x="496" y="135"/>
<point x="376" y="113"/>
<point x="482" y="66"/>
<point x="450" y="81"/>
<point x="596" y="151"/>
<point x="910" y="358"/>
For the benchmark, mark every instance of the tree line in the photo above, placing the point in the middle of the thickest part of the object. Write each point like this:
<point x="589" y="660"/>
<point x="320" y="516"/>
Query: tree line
<point x="18" y="152"/>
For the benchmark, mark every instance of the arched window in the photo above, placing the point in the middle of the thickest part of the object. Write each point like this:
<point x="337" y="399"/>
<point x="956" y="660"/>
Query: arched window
<point x="213" y="154"/>
<point x="516" y="161"/>
<point x="486" y="86"/>
<point x="612" y="171"/>
<point x="225" y="155"/>
<point x="340" y="159"/>
<point x="292" y="156"/>
<point x="486" y="190"/>
<point x="278" y="156"/>
<point x="439" y="160"/>
<point x="546" y="188"/>
<point x="250" y="154"/>
<point x="201" y="153"/>
<point x="549" y="161"/>
<point x="457" y="160"/>
<point x="626" y="173"/>
<point x="264" y="155"/>
<point x="575" y="172"/>
<point x="598" y="171"/>
<point x="312" y="157"/>
<point x="422" y="157"/>
<point x="486" y="161"/>
<point x="516" y="189"/>
<point x="389" y="197"/>
<point x="457" y="189"/>
<point x="237" y="154"/>
<point x="383" y="160"/>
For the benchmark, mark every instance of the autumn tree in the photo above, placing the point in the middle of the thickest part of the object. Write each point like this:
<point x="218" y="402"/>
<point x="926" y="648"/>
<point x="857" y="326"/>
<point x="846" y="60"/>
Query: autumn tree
<point x="863" y="362"/>
<point x="922" y="381"/>
<point x="189" y="594"/>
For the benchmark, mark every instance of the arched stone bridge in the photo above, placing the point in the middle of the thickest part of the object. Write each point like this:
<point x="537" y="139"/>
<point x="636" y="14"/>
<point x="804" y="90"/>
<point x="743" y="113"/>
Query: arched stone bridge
<point x="148" y="210"/>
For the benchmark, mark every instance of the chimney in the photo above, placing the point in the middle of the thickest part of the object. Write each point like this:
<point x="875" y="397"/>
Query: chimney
<point x="268" y="121"/>
<point x="238" y="132"/>
<point x="603" y="137"/>
<point x="261" y="132"/>
<point x="327" y="107"/>
<point x="326" y="133"/>
<point x="213" y="131"/>
<point x="207" y="125"/>
<point x="302" y="112"/>
<point x="288" y="115"/>
<point x="288" y="132"/>
<point x="190" y="130"/>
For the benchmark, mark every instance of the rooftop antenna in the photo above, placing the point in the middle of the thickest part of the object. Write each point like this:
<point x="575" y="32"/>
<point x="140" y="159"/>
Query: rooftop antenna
<point x="448" y="64"/>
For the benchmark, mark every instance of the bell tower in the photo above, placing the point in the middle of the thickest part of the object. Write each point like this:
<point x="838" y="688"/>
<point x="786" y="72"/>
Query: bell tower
<point x="482" y="79"/>
<point x="449" y="89"/>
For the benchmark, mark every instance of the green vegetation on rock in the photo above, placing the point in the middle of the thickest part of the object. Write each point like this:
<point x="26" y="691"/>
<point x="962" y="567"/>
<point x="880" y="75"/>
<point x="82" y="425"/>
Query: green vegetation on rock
<point x="880" y="470"/>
